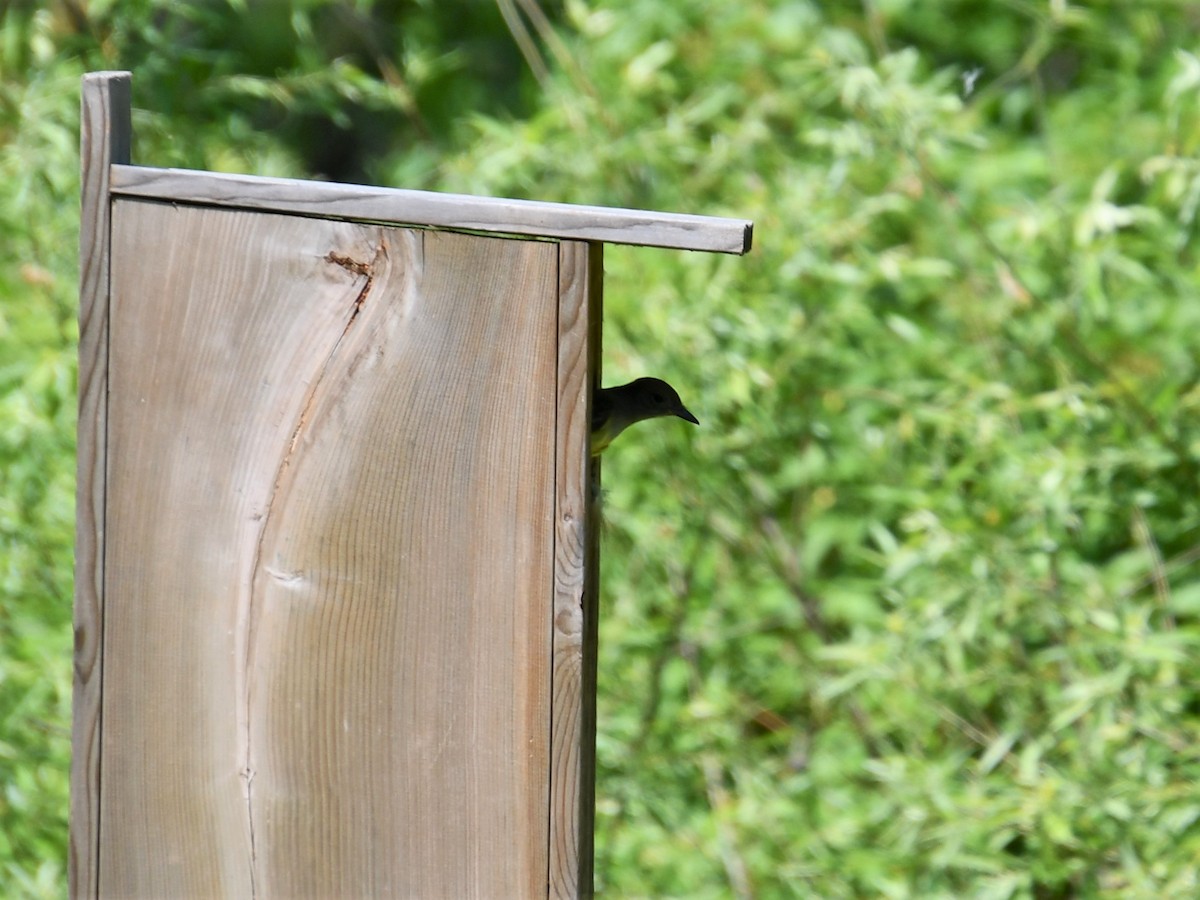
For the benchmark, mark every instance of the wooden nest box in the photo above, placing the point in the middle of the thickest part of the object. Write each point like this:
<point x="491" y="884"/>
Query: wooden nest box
<point x="335" y="589"/>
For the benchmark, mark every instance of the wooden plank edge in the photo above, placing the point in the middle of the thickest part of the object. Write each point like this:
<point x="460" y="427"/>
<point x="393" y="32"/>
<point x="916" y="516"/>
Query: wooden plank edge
<point x="676" y="231"/>
<point x="591" y="591"/>
<point x="573" y="632"/>
<point x="104" y="139"/>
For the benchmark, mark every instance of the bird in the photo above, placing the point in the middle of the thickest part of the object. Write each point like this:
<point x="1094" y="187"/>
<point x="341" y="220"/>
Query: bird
<point x="616" y="408"/>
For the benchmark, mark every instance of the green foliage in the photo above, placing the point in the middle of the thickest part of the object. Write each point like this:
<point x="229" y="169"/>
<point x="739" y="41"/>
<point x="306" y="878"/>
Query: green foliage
<point x="39" y="174"/>
<point x="337" y="84"/>
<point x="915" y="611"/>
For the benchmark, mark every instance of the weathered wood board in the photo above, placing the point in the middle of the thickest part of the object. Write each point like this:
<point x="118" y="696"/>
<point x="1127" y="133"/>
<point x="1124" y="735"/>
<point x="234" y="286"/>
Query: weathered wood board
<point x="643" y="228"/>
<point x="330" y="557"/>
<point x="104" y="139"/>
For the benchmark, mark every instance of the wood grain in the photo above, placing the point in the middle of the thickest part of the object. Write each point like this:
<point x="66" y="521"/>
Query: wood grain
<point x="520" y="217"/>
<point x="331" y="561"/>
<point x="104" y="139"/>
<point x="573" y="740"/>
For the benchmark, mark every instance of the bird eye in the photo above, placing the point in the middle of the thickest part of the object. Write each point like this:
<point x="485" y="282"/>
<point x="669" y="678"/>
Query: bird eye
<point x="658" y="398"/>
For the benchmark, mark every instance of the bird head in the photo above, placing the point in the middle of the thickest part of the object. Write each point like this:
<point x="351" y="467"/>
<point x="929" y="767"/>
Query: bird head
<point x="653" y="397"/>
<point x="615" y="409"/>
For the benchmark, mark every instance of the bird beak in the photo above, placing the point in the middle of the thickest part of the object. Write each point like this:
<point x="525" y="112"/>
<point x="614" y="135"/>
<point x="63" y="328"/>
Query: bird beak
<point x="686" y="416"/>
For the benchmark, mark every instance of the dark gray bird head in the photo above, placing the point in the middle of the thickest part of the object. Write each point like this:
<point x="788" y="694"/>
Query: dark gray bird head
<point x="616" y="408"/>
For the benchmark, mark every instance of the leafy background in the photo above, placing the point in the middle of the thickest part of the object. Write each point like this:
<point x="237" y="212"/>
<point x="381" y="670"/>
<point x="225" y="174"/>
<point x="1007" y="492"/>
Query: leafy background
<point x="916" y="611"/>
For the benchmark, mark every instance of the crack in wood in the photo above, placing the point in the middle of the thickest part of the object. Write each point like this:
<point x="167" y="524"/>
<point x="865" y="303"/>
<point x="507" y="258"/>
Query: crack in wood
<point x="248" y="628"/>
<point x="349" y="263"/>
<point x="247" y="775"/>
